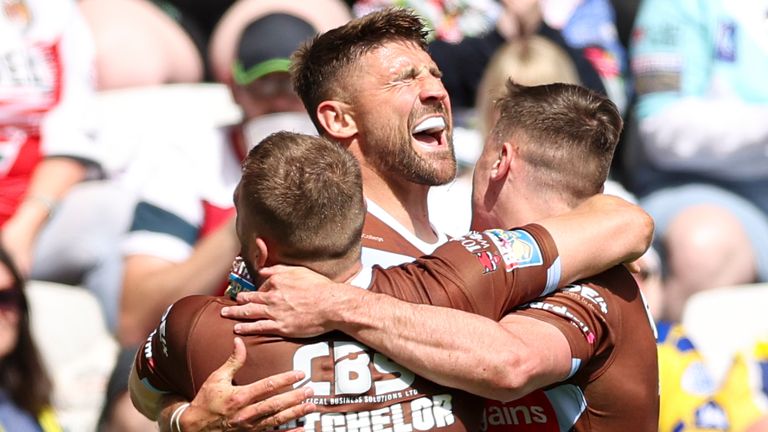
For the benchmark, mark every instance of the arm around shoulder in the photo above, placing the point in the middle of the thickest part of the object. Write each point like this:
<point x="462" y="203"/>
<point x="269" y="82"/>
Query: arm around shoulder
<point x="598" y="234"/>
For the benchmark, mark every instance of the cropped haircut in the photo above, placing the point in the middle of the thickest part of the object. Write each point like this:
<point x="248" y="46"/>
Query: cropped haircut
<point x="566" y="134"/>
<point x="305" y="194"/>
<point x="321" y="68"/>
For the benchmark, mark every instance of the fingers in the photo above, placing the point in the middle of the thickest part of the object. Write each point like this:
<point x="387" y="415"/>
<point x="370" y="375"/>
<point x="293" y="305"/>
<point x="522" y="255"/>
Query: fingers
<point x="257" y="392"/>
<point x="251" y="311"/>
<point x="227" y="371"/>
<point x="245" y="297"/>
<point x="258" y="327"/>
<point x="237" y="359"/>
<point x="277" y="410"/>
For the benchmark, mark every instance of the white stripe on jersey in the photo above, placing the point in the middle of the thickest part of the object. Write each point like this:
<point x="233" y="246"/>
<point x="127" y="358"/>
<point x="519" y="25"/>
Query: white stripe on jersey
<point x="569" y="404"/>
<point x="426" y="248"/>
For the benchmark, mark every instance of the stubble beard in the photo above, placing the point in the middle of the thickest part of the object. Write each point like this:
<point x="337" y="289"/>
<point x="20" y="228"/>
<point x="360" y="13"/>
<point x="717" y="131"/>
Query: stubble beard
<point x="392" y="153"/>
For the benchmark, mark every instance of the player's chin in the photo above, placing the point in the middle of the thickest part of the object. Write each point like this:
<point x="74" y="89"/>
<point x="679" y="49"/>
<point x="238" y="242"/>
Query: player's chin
<point x="443" y="169"/>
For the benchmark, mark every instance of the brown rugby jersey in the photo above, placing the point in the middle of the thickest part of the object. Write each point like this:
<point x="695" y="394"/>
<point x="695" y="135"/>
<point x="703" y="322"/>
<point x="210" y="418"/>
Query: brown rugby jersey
<point x="385" y="242"/>
<point x="614" y="379"/>
<point x="355" y="387"/>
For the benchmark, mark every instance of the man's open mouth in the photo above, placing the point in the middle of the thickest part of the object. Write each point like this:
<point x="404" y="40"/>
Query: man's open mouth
<point x="430" y="131"/>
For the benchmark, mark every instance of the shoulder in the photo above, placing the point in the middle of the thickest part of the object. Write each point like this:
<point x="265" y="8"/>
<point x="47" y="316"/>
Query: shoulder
<point x="195" y="305"/>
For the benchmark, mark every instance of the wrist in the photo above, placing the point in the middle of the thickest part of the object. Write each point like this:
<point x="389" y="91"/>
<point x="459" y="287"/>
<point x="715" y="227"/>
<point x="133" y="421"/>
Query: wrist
<point x="349" y="313"/>
<point x="175" y="424"/>
<point x="29" y="217"/>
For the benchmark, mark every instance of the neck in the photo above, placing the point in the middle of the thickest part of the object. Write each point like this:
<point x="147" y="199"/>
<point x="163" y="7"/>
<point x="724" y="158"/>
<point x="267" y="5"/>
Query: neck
<point x="350" y="273"/>
<point x="403" y="200"/>
<point x="514" y="206"/>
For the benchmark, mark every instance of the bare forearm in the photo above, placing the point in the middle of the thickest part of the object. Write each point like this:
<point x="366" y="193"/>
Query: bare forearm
<point x="602" y="232"/>
<point x="450" y="347"/>
<point x="51" y="181"/>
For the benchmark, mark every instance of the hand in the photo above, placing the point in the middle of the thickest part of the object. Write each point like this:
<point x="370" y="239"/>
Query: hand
<point x="292" y="301"/>
<point x="259" y="406"/>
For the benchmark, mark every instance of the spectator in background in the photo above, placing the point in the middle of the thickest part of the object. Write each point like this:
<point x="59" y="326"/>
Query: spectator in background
<point x="625" y="10"/>
<point x="692" y="400"/>
<point x="465" y="34"/>
<point x="529" y="61"/>
<point x="25" y="387"/>
<point x="183" y="41"/>
<point x="45" y="146"/>
<point x="589" y="26"/>
<point x="698" y="156"/>
<point x="690" y="397"/>
<point x="182" y="225"/>
<point x="182" y="238"/>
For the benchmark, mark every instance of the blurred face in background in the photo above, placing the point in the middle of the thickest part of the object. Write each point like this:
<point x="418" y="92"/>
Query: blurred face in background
<point x="269" y="94"/>
<point x="10" y="314"/>
<point x="649" y="281"/>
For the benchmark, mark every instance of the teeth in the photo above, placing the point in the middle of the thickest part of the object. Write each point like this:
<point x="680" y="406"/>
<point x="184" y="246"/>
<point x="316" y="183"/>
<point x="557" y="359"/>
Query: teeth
<point x="433" y="124"/>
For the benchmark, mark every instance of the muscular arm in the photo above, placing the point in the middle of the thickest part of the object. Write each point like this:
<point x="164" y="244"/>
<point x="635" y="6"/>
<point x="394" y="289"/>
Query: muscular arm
<point x="255" y="406"/>
<point x="600" y="233"/>
<point x="449" y="346"/>
<point x="460" y="349"/>
<point x="475" y="354"/>
<point x="150" y="284"/>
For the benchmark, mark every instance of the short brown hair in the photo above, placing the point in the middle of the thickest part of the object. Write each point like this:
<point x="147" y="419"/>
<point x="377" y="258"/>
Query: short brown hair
<point x="320" y="68"/>
<point x="567" y="134"/>
<point x="305" y="195"/>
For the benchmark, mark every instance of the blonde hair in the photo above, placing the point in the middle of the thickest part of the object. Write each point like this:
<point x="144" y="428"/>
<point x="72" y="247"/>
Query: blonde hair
<point x="530" y="61"/>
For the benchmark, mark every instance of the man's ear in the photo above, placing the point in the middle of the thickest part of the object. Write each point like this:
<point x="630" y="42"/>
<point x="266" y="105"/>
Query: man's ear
<point x="501" y="166"/>
<point x="263" y="252"/>
<point x="336" y="118"/>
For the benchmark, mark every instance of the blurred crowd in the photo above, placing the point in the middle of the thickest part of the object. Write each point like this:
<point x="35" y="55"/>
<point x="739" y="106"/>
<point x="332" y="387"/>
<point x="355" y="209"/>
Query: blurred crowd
<point x="135" y="205"/>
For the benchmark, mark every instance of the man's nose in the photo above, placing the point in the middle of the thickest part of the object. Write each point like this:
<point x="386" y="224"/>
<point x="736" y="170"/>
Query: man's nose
<point x="433" y="89"/>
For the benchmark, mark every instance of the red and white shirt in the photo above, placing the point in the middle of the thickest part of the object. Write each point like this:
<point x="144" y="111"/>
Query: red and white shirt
<point x="46" y="82"/>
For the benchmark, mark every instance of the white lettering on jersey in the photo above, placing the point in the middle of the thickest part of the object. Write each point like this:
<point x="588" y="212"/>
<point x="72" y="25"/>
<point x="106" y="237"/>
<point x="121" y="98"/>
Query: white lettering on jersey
<point x="501" y="415"/>
<point x="590" y="295"/>
<point x="161" y="334"/>
<point x="426" y="414"/>
<point x="27" y="78"/>
<point x="352" y="370"/>
<point x="474" y="241"/>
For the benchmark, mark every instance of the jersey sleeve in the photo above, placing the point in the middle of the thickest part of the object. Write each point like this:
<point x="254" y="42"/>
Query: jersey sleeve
<point x="487" y="273"/>
<point x="580" y="312"/>
<point x="161" y="365"/>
